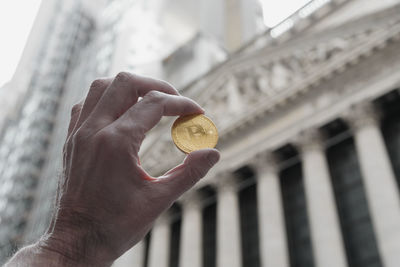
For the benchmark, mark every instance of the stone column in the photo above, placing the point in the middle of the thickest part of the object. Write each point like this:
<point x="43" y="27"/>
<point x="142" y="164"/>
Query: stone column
<point x="273" y="242"/>
<point x="159" y="244"/>
<point x="191" y="238"/>
<point x="132" y="258"/>
<point x="235" y="100"/>
<point x="379" y="181"/>
<point x="229" y="253"/>
<point x="328" y="245"/>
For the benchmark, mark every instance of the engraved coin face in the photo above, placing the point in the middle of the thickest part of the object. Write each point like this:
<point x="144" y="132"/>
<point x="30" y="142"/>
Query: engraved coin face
<point x="194" y="132"/>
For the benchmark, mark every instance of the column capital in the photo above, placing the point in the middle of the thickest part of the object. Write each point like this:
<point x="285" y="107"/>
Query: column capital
<point x="310" y="139"/>
<point x="264" y="162"/>
<point x="164" y="218"/>
<point x="225" y="181"/>
<point x="191" y="199"/>
<point x="362" y="115"/>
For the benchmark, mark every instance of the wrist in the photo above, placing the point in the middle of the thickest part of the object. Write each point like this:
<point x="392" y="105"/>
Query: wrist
<point x="68" y="251"/>
<point x="44" y="254"/>
<point x="73" y="250"/>
<point x="77" y="240"/>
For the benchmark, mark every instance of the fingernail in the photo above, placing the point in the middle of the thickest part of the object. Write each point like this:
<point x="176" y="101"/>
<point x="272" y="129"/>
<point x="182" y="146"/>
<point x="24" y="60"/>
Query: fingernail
<point x="213" y="157"/>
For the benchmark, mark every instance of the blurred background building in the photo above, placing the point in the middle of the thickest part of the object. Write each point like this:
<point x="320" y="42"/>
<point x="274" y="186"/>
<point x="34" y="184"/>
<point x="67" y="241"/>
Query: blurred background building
<point x="308" y="113"/>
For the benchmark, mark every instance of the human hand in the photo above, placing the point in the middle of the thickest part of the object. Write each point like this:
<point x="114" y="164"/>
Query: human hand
<point x="106" y="200"/>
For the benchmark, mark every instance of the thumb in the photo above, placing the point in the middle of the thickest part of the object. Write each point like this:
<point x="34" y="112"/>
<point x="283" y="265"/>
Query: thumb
<point x="195" y="166"/>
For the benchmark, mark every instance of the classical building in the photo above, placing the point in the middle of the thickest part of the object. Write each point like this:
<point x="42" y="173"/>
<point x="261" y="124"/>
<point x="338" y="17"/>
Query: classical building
<point x="310" y="141"/>
<point x="309" y="120"/>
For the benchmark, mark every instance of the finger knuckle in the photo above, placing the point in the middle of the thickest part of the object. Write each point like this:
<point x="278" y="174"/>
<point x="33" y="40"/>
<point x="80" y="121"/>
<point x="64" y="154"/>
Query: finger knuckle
<point x="77" y="138"/>
<point x="106" y="139"/>
<point x="123" y="76"/>
<point x="136" y="135"/>
<point x="76" y="109"/>
<point x="67" y="148"/>
<point x="98" y="83"/>
<point x="155" y="97"/>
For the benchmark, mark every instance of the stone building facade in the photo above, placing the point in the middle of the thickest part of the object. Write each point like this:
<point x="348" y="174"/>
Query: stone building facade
<point x="310" y="141"/>
<point x="309" y="121"/>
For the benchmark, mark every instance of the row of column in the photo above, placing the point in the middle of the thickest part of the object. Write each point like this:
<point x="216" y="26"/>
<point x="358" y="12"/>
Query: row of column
<point x="228" y="229"/>
<point x="328" y="247"/>
<point x="379" y="181"/>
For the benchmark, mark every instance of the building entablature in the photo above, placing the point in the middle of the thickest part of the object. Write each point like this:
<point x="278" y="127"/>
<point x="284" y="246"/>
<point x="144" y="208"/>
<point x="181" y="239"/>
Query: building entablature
<point x="260" y="104"/>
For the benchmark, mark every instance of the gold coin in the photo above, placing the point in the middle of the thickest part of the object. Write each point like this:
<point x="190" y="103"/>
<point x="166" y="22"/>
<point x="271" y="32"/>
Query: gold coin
<point x="194" y="132"/>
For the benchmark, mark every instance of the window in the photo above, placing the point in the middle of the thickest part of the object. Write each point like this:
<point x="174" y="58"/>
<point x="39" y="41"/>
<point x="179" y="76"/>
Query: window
<point x="176" y="219"/>
<point x="296" y="220"/>
<point x="209" y="235"/>
<point x="391" y="129"/>
<point x="352" y="206"/>
<point x="209" y="226"/>
<point x="249" y="218"/>
<point x="146" y="249"/>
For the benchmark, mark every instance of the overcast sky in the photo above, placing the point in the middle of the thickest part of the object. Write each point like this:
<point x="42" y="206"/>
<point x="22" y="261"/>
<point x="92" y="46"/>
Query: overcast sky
<point x="277" y="10"/>
<point x="16" y="18"/>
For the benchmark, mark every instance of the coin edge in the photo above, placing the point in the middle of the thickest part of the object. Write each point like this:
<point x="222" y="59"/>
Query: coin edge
<point x="174" y="134"/>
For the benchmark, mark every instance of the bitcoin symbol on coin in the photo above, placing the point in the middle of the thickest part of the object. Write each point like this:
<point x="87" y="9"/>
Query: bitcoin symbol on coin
<point x="194" y="132"/>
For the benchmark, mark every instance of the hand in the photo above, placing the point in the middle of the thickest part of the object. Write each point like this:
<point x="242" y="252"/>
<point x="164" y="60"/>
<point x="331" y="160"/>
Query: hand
<point x="106" y="200"/>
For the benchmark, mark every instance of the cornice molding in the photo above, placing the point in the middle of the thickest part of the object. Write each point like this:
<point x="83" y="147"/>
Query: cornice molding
<point x="326" y="72"/>
<point x="295" y="73"/>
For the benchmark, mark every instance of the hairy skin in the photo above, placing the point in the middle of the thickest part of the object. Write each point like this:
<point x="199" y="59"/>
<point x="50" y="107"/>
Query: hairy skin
<point x="106" y="202"/>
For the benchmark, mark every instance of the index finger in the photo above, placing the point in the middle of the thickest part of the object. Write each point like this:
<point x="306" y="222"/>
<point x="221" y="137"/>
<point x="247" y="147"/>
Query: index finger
<point x="123" y="93"/>
<point x="143" y="116"/>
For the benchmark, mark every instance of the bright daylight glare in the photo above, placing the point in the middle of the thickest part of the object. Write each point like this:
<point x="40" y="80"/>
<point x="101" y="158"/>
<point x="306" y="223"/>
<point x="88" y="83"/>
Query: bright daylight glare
<point x="17" y="16"/>
<point x="16" y="19"/>
<point x="276" y="11"/>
